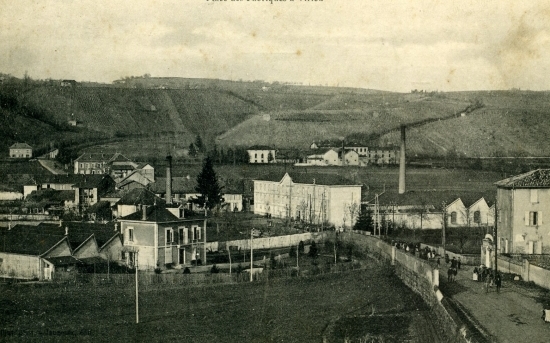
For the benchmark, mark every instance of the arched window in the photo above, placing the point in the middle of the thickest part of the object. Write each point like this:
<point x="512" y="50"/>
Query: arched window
<point x="453" y="217"/>
<point x="477" y="217"/>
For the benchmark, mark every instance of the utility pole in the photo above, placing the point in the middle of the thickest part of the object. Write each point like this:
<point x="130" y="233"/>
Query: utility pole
<point x="297" y="256"/>
<point x="496" y="237"/>
<point x="251" y="255"/>
<point x="137" y="294"/>
<point x="443" y="227"/>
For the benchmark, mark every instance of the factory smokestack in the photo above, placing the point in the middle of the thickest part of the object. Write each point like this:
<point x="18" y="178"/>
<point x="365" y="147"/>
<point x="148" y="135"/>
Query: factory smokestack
<point x="402" y="162"/>
<point x="169" y="179"/>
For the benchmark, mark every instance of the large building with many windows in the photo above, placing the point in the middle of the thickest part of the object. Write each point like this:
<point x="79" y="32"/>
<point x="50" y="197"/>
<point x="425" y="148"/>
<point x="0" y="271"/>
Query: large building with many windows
<point x="309" y="197"/>
<point x="521" y="203"/>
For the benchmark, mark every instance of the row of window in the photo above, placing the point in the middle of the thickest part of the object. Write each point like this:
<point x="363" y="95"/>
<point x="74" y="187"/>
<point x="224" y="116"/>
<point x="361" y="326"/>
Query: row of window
<point x="92" y="165"/>
<point x="183" y="235"/>
<point x="477" y="217"/>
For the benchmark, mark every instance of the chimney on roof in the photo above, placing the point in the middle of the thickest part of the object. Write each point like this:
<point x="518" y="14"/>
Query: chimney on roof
<point x="144" y="212"/>
<point x="66" y="230"/>
<point x="169" y="179"/>
<point x="402" y="162"/>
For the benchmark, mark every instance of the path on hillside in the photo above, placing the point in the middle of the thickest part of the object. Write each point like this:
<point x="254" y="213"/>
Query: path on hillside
<point x="173" y="112"/>
<point x="51" y="169"/>
<point x="513" y="315"/>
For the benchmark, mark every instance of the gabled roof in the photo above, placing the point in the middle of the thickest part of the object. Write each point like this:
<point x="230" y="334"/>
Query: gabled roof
<point x="155" y="214"/>
<point x="260" y="147"/>
<point x="140" y="196"/>
<point x="91" y="181"/>
<point x="20" y="146"/>
<point x="68" y="179"/>
<point x="134" y="176"/>
<point x="79" y="232"/>
<point x="180" y="185"/>
<point x="539" y="178"/>
<point x="23" y="242"/>
<point x="434" y="198"/>
<point x="311" y="178"/>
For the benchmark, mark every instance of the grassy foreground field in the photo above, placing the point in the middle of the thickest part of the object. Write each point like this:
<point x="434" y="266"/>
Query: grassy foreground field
<point x="279" y="310"/>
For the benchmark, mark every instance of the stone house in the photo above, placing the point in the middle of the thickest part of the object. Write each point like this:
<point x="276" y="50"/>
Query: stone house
<point x="522" y="202"/>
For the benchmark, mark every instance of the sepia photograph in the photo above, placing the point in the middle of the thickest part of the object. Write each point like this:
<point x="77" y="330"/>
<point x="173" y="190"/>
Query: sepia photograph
<point x="324" y="171"/>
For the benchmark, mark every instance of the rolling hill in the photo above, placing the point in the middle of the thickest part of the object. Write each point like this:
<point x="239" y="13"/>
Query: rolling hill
<point x="232" y="113"/>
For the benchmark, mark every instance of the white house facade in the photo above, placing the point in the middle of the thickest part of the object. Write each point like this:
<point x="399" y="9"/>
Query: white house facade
<point x="313" y="198"/>
<point x="523" y="202"/>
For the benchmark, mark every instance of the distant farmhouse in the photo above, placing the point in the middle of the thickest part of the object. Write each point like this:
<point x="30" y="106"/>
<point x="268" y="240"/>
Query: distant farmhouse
<point x="261" y="154"/>
<point x="67" y="83"/>
<point x="116" y="164"/>
<point x="20" y="150"/>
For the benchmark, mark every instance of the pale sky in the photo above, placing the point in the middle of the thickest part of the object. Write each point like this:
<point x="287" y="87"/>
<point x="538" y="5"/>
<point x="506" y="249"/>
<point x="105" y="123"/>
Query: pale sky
<point x="395" y="45"/>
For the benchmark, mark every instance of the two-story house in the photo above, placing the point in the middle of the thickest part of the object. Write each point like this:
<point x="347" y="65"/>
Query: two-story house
<point x="89" y="190"/>
<point x="261" y="154"/>
<point x="522" y="203"/>
<point x="159" y="237"/>
<point x="20" y="150"/>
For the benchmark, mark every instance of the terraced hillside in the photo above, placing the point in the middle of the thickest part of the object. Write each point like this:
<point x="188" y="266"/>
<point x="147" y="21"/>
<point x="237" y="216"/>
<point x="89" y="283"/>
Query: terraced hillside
<point x="356" y="116"/>
<point x="500" y="123"/>
<point x="509" y="124"/>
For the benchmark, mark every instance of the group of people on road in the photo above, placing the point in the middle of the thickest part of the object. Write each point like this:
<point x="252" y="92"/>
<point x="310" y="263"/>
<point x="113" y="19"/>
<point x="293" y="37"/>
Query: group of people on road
<point x="488" y="276"/>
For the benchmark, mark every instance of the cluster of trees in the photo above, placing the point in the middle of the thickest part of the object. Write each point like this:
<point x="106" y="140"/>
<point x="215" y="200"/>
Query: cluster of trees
<point x="219" y="155"/>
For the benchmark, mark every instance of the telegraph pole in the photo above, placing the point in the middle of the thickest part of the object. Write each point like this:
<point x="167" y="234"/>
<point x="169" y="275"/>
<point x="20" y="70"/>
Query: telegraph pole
<point x="251" y="255"/>
<point x="443" y="227"/>
<point x="496" y="238"/>
<point x="137" y="294"/>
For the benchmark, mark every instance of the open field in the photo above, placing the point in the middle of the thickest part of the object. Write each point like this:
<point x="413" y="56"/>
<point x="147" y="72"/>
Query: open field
<point x="278" y="310"/>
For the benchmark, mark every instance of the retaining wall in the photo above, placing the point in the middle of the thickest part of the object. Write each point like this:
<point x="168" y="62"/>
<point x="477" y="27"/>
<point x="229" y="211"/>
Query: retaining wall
<point x="423" y="279"/>
<point x="266" y="242"/>
<point x="469" y="260"/>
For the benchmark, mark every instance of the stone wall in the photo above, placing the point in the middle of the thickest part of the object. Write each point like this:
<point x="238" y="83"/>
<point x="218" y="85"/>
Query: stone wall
<point x="422" y="278"/>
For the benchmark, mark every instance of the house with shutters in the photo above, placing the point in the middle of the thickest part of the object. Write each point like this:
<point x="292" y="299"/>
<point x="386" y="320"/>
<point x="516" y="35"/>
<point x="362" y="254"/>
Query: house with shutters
<point x="160" y="237"/>
<point x="521" y="203"/>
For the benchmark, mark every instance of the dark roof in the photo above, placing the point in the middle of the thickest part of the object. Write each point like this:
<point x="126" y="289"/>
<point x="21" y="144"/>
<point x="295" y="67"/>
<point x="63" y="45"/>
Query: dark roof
<point x="322" y="151"/>
<point x="434" y="198"/>
<point x="155" y="214"/>
<point x="260" y="147"/>
<point x="50" y="196"/>
<point x="23" y="242"/>
<point x="60" y="261"/>
<point x="91" y="181"/>
<point x="539" y="178"/>
<point x="232" y="186"/>
<point x="180" y="185"/>
<point x="140" y="196"/>
<point x="20" y="146"/>
<point x="308" y="178"/>
<point x="69" y="179"/>
<point x="79" y="231"/>
<point x="124" y="166"/>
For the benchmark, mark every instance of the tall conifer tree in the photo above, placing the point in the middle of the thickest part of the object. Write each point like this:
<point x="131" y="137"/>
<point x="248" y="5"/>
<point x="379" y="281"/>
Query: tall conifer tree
<point x="208" y="186"/>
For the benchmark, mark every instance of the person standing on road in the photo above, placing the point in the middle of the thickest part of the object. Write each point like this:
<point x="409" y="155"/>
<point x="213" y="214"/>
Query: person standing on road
<point x="498" y="281"/>
<point x="458" y="263"/>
